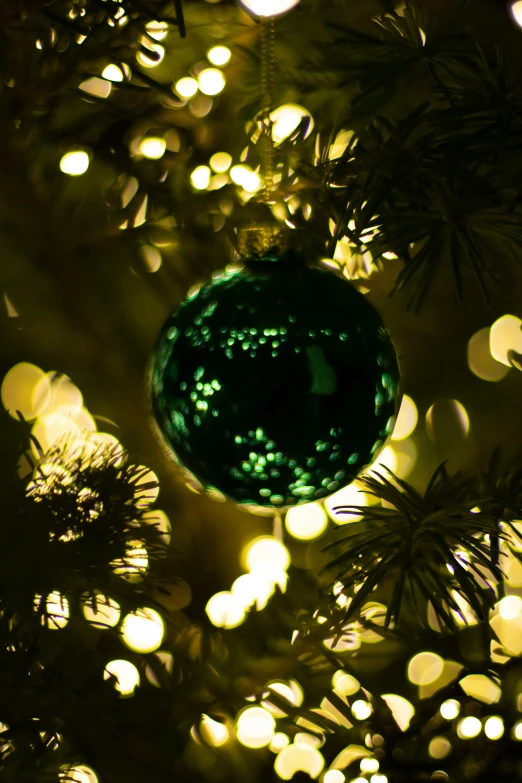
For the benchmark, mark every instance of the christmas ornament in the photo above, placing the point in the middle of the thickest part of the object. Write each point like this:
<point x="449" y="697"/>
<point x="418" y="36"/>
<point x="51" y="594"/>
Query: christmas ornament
<point x="276" y="383"/>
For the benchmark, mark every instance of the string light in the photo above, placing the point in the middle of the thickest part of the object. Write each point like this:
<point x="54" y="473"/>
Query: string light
<point x="143" y="630"/>
<point x="449" y="709"/>
<point x="74" y="163"/>
<point x="494" y="727"/>
<point x="424" y="668"/>
<point x="126" y="674"/>
<point x="211" y="81"/>
<point x="186" y="87"/>
<point x="213" y="732"/>
<point x="101" y="611"/>
<point x="286" y="119"/>
<point x="200" y="177"/>
<point x="469" y="727"/>
<point x="306" y="522"/>
<point x="153" y="147"/>
<point x="113" y="73"/>
<point x="255" y="727"/>
<point x="157" y="30"/>
<point x="220" y="162"/>
<point x="361" y="710"/>
<point x="219" y="55"/>
<point x="225" y="610"/>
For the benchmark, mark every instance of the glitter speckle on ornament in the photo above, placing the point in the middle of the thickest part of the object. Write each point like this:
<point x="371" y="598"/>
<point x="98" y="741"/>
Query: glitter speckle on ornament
<point x="274" y="383"/>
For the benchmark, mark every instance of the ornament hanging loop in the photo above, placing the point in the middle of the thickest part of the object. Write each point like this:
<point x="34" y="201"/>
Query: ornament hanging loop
<point x="267" y="91"/>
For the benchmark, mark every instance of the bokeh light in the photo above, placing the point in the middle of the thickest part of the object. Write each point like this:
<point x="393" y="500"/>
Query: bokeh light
<point x="153" y="147"/>
<point x="155" y="56"/>
<point x="126" y="674"/>
<point x="369" y="765"/>
<point x="101" y="611"/>
<point x="146" y="487"/>
<point x="113" y="73"/>
<point x="505" y="336"/>
<point x="352" y="495"/>
<point x="401" y="709"/>
<point x="446" y="419"/>
<point x="213" y="732"/>
<point x="57" y="610"/>
<point x="225" y="610"/>
<point x="244" y="176"/>
<point x="481" y="687"/>
<point x="299" y="758"/>
<point x="469" y="727"/>
<point x="361" y="709"/>
<point x="157" y="30"/>
<point x="279" y="741"/>
<point x="307" y="521"/>
<point x="286" y="119"/>
<point x="100" y="88"/>
<point x="494" y="727"/>
<point x="220" y="162"/>
<point x="334" y="776"/>
<point x="219" y="55"/>
<point x="74" y="163"/>
<point x="406" y="419"/>
<point x="516" y="12"/>
<point x="186" y="87"/>
<point x="255" y="727"/>
<point x="252" y="589"/>
<point x="211" y="81"/>
<point x="160" y="521"/>
<point x="200" y="177"/>
<point x="79" y="773"/>
<point x="510" y="607"/>
<point x="269" y="7"/>
<point x="265" y="552"/>
<point x="143" y="630"/>
<point x="517" y="731"/>
<point x="26" y="388"/>
<point x="450" y="709"/>
<point x="439" y="748"/>
<point x="480" y="361"/>
<point x="345" y="684"/>
<point x="424" y="668"/>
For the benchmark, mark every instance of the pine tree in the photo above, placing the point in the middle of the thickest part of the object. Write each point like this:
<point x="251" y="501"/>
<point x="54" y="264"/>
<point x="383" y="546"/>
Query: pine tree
<point x="383" y="640"/>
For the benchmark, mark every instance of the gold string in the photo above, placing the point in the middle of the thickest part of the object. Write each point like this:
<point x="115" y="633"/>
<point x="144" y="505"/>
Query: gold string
<point x="267" y="89"/>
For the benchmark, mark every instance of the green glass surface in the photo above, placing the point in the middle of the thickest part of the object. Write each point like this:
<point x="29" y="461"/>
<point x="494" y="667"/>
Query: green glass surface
<point x="276" y="384"/>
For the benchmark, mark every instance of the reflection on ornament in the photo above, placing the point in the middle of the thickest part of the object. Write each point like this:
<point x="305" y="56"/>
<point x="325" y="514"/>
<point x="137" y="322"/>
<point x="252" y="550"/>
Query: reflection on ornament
<point x="275" y="383"/>
<point x="269" y="7"/>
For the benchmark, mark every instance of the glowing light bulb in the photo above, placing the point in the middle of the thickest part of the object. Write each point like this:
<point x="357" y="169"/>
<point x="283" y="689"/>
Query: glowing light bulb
<point x="306" y="522"/>
<point x="344" y="684"/>
<point x="286" y="119"/>
<point x="126" y="674"/>
<point x="255" y="727"/>
<point x="369" y="765"/>
<point x="449" y="709"/>
<point x="494" y="727"/>
<point x="406" y="420"/>
<point x="279" y="741"/>
<point x="213" y="732"/>
<point x="334" y="776"/>
<point x="153" y="147"/>
<point x="361" y="709"/>
<point x="425" y="668"/>
<point x="200" y="177"/>
<point x="101" y="611"/>
<point x="186" y="87"/>
<point x="225" y="610"/>
<point x="143" y="630"/>
<point x="469" y="727"/>
<point x="220" y="162"/>
<point x="517" y="731"/>
<point x="510" y="607"/>
<point x="266" y="552"/>
<point x="74" y="163"/>
<point x="219" y="55"/>
<point x="269" y="7"/>
<point x="211" y="81"/>
<point x="112" y="73"/>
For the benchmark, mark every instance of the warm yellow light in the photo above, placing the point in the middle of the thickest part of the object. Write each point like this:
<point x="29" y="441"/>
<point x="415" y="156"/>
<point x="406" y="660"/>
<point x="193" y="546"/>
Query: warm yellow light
<point x="66" y="397"/>
<point x="252" y="589"/>
<point x="219" y="55"/>
<point x="211" y="81"/>
<point x="255" y="727"/>
<point x="144" y="59"/>
<point x="340" y="144"/>
<point x="446" y="418"/>
<point x="160" y="521"/>
<point x="424" y="668"/>
<point x="516" y="12"/>
<point x="406" y="419"/>
<point x="126" y="674"/>
<point x="279" y="741"/>
<point x="213" y="732"/>
<point x="143" y="630"/>
<point x="153" y="147"/>
<point x="439" y="748"/>
<point x="299" y="758"/>
<point x="469" y="727"/>
<point x="480" y="361"/>
<point x="369" y="765"/>
<point x="269" y="7"/>
<point x="200" y="106"/>
<point x="291" y="691"/>
<point x="96" y="86"/>
<point x="286" y="119"/>
<point x="186" y="87"/>
<point x="157" y="30"/>
<point x="225" y="610"/>
<point x="74" y="163"/>
<point x="306" y="522"/>
<point x="517" y="731"/>
<point x="113" y="73"/>
<point x="266" y="551"/>
<point x="387" y="458"/>
<point x="449" y="709"/>
<point x="146" y="487"/>
<point x="352" y="495"/>
<point x="57" y="609"/>
<point x="244" y="176"/>
<point x="101" y="611"/>
<point x="510" y="607"/>
<point x="505" y="336"/>
<point x="378" y="779"/>
<point x="344" y="684"/>
<point x="361" y="709"/>
<point x="494" y="727"/>
<point x="26" y="388"/>
<point x="481" y="687"/>
<point x="79" y="773"/>
<point x="200" y="177"/>
<point x="401" y="709"/>
<point x="334" y="776"/>
<point x="220" y="162"/>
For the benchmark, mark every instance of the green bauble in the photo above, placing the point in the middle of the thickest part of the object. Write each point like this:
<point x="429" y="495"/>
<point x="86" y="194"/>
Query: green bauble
<point x="275" y="384"/>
